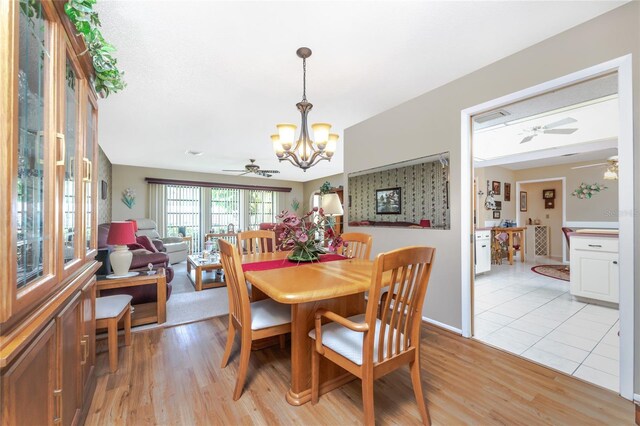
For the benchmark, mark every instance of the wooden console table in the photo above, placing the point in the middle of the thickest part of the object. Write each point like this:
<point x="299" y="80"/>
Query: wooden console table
<point x="143" y="313"/>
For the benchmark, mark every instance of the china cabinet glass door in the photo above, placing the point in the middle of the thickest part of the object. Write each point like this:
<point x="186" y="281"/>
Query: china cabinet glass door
<point x="69" y="191"/>
<point x="33" y="242"/>
<point x="89" y="179"/>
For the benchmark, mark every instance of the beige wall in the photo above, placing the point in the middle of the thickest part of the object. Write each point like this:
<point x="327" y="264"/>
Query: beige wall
<point x="503" y="176"/>
<point x="603" y="207"/>
<point x="549" y="217"/>
<point x="133" y="177"/>
<point x="430" y="123"/>
<point x="314" y="185"/>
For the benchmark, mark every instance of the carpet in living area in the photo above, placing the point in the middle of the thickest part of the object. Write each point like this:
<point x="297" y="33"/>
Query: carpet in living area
<point x="187" y="305"/>
<point x="559" y="272"/>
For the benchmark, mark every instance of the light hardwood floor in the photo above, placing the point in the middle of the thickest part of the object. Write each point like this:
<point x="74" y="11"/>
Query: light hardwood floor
<point x="173" y="376"/>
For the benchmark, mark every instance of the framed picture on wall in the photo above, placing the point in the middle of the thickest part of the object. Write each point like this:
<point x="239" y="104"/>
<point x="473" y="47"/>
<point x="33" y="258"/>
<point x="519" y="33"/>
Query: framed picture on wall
<point x="389" y="201"/>
<point x="498" y="205"/>
<point x="507" y="191"/>
<point x="103" y="190"/>
<point x="549" y="194"/>
<point x="496" y="214"/>
<point x="550" y="204"/>
<point x="495" y="187"/>
<point x="523" y="201"/>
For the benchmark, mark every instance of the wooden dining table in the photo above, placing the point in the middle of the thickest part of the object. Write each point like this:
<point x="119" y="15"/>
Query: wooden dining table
<point x="337" y="285"/>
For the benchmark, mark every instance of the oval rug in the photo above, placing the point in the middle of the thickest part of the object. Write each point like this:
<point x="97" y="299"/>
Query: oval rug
<point x="559" y="272"/>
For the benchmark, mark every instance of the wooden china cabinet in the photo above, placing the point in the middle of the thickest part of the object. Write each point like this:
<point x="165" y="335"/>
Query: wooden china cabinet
<point x="48" y="149"/>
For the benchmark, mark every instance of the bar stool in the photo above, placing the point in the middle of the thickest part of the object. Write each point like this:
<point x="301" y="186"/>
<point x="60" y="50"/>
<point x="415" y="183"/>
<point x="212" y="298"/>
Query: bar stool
<point x="109" y="310"/>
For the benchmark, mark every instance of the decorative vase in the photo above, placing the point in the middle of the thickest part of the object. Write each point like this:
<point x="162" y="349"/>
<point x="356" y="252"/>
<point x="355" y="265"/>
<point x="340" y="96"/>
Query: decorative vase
<point x="302" y="256"/>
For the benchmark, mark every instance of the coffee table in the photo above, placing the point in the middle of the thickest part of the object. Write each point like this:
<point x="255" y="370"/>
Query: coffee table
<point x="205" y="272"/>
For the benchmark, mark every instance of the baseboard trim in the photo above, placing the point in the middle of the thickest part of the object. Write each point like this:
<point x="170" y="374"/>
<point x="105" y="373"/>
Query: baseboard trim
<point x="442" y="325"/>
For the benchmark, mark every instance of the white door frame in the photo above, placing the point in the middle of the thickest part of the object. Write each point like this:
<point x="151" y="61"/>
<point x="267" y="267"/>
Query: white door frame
<point x="564" y="205"/>
<point x="623" y="67"/>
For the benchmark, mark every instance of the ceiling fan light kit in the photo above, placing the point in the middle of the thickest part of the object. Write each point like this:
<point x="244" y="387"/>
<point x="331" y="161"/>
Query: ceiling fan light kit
<point x="304" y="152"/>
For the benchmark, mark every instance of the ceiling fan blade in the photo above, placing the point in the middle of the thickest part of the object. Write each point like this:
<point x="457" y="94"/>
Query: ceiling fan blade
<point x="559" y="131"/>
<point x="527" y="139"/>
<point x="269" y="171"/>
<point x="559" y="123"/>
<point x="588" y="165"/>
<point x="237" y="171"/>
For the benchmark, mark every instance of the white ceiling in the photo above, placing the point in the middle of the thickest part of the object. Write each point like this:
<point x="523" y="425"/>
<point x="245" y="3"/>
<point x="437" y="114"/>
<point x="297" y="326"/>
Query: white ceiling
<point x="595" y="122"/>
<point x="217" y="76"/>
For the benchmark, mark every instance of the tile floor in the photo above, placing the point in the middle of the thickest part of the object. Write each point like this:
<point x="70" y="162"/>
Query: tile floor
<point x="535" y="317"/>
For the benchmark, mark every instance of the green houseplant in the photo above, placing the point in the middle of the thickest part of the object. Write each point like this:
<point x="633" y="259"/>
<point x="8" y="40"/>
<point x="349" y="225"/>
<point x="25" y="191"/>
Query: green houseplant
<point x="109" y="79"/>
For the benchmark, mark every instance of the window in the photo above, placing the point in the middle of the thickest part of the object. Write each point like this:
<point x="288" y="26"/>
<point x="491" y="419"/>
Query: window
<point x="262" y="208"/>
<point x="225" y="208"/>
<point x="183" y="212"/>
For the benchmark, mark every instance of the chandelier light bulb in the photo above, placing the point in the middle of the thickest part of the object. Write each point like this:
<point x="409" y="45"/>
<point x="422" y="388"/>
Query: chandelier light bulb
<point x="331" y="144"/>
<point x="287" y="134"/>
<point x="321" y="134"/>
<point x="277" y="146"/>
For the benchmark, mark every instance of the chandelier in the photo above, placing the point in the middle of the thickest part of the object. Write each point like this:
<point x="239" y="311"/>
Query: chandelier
<point x="304" y="152"/>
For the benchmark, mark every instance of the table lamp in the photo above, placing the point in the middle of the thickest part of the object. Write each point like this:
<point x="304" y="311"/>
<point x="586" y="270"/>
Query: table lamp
<point x="121" y="234"/>
<point x="331" y="205"/>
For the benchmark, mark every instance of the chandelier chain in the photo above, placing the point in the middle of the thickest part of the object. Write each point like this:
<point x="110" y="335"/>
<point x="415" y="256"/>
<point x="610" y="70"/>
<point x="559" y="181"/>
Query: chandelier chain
<point x="304" y="80"/>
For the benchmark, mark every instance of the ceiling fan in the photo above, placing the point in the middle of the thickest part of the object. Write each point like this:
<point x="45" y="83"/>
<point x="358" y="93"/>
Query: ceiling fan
<point x="612" y="167"/>
<point x="255" y="169"/>
<point x="550" y="128"/>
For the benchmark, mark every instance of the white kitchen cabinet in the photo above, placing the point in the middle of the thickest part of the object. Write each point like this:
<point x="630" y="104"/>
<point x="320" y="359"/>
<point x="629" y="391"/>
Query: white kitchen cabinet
<point x="594" y="267"/>
<point x="483" y="251"/>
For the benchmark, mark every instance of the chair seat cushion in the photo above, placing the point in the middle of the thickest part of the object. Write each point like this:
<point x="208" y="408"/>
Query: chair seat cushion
<point x="268" y="313"/>
<point x="111" y="306"/>
<point x="348" y="343"/>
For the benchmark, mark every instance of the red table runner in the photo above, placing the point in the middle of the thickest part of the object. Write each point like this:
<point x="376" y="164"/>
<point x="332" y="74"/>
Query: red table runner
<point x="286" y="263"/>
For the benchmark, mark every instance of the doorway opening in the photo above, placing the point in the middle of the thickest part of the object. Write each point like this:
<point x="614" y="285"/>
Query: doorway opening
<point x="554" y="173"/>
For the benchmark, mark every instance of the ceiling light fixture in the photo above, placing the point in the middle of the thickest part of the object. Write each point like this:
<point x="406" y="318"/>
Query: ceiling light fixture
<point x="194" y="153"/>
<point x="305" y="153"/>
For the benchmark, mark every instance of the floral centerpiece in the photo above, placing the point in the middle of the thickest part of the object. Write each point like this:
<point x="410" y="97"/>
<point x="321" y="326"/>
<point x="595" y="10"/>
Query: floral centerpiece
<point x="299" y="235"/>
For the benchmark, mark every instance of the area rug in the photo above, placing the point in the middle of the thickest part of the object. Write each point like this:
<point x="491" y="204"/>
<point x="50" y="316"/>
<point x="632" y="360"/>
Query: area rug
<point x="187" y="305"/>
<point x="559" y="272"/>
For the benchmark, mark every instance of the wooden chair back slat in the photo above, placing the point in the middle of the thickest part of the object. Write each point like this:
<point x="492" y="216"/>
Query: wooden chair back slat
<point x="408" y="272"/>
<point x="236" y="283"/>
<point x="253" y="242"/>
<point x="358" y="245"/>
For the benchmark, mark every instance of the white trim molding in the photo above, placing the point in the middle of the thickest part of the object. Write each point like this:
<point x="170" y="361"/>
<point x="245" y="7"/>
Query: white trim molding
<point x="623" y="67"/>
<point x="442" y="325"/>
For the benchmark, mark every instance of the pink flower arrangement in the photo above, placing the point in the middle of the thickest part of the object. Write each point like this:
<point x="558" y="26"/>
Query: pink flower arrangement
<point x="299" y="235"/>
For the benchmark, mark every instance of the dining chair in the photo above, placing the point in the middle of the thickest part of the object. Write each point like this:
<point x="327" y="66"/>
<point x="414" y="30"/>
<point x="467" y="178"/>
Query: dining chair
<point x="254" y="321"/>
<point x="371" y="347"/>
<point x="358" y="245"/>
<point x="253" y="242"/>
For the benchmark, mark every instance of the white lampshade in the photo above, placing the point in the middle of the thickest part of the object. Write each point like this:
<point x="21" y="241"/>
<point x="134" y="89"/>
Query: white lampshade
<point x="287" y="133"/>
<point x="321" y="134"/>
<point x="331" y="205"/>
<point x="277" y="146"/>
<point x="331" y="145"/>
